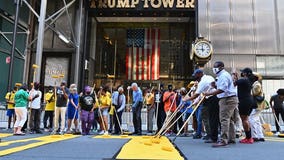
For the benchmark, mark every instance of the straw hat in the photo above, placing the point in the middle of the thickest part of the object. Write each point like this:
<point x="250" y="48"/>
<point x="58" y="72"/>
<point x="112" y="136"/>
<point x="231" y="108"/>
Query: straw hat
<point x="257" y="75"/>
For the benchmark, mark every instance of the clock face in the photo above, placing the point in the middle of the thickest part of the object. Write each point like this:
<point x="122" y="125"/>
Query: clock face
<point x="203" y="49"/>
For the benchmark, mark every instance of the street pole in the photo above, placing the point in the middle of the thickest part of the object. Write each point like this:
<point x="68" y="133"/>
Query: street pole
<point x="10" y="76"/>
<point x="40" y="39"/>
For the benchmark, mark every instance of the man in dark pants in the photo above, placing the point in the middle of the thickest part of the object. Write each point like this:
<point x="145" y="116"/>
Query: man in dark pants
<point x="276" y="103"/>
<point x="119" y="107"/>
<point x="136" y="108"/>
<point x="213" y="106"/>
<point x="204" y="85"/>
<point x="161" y="115"/>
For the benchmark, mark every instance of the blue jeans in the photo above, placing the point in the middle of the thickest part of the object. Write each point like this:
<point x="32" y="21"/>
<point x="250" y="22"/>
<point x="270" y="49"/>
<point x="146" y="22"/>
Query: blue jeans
<point x="199" y="120"/>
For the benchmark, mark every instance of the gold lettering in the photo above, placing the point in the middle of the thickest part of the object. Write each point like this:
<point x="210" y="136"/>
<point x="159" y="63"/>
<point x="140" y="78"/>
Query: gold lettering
<point x="123" y="4"/>
<point x="102" y="4"/>
<point x="168" y="3"/>
<point x="156" y="5"/>
<point x="189" y="4"/>
<point x="111" y="3"/>
<point x="134" y="3"/>
<point x="146" y="5"/>
<point x="93" y="4"/>
<point x="180" y="4"/>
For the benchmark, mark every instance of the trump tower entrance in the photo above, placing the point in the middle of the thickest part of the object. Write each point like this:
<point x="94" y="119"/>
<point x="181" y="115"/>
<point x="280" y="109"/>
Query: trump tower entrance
<point x="146" y="41"/>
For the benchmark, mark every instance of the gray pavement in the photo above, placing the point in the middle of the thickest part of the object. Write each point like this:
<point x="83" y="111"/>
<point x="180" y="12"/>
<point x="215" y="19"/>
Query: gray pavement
<point x="86" y="147"/>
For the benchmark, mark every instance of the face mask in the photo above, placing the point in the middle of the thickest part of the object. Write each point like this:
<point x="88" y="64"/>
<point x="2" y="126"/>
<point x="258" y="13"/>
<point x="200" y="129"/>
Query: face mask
<point x="216" y="70"/>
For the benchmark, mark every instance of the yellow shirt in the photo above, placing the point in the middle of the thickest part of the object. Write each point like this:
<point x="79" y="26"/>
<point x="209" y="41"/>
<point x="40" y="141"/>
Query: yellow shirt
<point x="105" y="100"/>
<point x="149" y="98"/>
<point x="50" y="102"/>
<point x="10" y="99"/>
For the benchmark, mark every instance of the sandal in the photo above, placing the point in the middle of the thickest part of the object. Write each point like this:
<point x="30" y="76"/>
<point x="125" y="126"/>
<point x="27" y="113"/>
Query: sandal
<point x="19" y="134"/>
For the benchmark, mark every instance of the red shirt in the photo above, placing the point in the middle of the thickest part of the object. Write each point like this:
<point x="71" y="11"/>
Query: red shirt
<point x="169" y="99"/>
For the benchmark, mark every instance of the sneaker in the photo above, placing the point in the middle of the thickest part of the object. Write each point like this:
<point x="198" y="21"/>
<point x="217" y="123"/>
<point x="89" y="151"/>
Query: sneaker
<point x="197" y="136"/>
<point x="207" y="137"/>
<point x="247" y="141"/>
<point x="106" y="133"/>
<point x="53" y="132"/>
<point x="46" y="130"/>
<point x="277" y="133"/>
<point x="61" y="132"/>
<point x="38" y="132"/>
<point x="219" y="144"/>
<point x="101" y="132"/>
<point x="69" y="132"/>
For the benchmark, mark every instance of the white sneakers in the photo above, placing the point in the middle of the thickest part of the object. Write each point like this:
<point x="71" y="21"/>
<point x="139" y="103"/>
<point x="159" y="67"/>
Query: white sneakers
<point x="277" y="133"/>
<point x="103" y="132"/>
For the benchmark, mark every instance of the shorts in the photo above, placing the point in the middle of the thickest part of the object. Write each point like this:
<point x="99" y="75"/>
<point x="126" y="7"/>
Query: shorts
<point x="71" y="112"/>
<point x="104" y="111"/>
<point x="10" y="112"/>
<point x="245" y="106"/>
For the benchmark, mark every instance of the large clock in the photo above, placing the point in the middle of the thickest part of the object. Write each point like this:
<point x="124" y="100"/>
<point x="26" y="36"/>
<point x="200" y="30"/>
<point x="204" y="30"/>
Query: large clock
<point x="203" y="49"/>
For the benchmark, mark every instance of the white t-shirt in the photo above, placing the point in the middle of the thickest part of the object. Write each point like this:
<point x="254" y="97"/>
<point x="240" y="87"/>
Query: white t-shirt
<point x="35" y="104"/>
<point x="204" y="84"/>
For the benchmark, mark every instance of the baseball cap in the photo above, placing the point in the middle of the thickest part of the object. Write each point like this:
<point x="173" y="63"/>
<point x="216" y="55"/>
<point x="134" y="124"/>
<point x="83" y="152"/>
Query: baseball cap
<point x="197" y="71"/>
<point x="246" y="70"/>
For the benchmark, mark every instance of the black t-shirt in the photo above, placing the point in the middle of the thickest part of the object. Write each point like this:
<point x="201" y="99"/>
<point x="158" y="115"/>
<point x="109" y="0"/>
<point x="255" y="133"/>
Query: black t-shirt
<point x="278" y="102"/>
<point x="86" y="102"/>
<point x="244" y="88"/>
<point x="61" y="100"/>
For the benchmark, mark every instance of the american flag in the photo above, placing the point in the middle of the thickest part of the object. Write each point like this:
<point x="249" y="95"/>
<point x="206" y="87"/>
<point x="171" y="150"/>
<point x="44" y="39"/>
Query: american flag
<point x="143" y="54"/>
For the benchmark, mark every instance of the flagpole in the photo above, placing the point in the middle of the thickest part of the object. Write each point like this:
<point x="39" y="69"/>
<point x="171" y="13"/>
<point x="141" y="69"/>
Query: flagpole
<point x="150" y="55"/>
<point x="114" y="65"/>
<point x="132" y="60"/>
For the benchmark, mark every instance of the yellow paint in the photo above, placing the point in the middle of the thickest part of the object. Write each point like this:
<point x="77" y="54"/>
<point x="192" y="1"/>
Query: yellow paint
<point x="143" y="148"/>
<point x="2" y="135"/>
<point x="40" y="141"/>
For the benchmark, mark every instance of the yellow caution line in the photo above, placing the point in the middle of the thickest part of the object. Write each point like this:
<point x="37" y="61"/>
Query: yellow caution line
<point x="275" y="139"/>
<point x="42" y="141"/>
<point x="3" y="135"/>
<point x="141" y="147"/>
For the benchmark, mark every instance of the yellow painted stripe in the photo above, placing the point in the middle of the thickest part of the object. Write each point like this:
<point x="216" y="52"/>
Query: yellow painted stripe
<point x="3" y="135"/>
<point x="274" y="139"/>
<point x="41" y="141"/>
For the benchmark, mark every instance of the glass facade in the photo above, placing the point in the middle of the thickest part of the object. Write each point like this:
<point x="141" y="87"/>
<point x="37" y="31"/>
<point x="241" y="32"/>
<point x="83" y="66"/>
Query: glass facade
<point x="246" y="34"/>
<point x="108" y="49"/>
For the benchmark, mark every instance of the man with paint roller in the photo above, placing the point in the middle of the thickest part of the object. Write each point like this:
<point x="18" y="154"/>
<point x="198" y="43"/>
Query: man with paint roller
<point x="136" y="108"/>
<point x="228" y="102"/>
<point x="119" y="101"/>
<point x="276" y="103"/>
<point x="210" y="107"/>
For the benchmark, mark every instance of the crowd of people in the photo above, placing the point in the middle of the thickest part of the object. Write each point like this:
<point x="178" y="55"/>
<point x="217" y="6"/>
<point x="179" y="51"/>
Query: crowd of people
<point x="215" y="105"/>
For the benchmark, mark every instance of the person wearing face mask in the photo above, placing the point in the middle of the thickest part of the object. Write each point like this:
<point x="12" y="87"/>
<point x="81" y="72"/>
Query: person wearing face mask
<point x="244" y="86"/>
<point x="49" y="109"/>
<point x="228" y="102"/>
<point x="87" y="106"/>
<point x="61" y="93"/>
<point x="209" y="109"/>
<point x="35" y="109"/>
